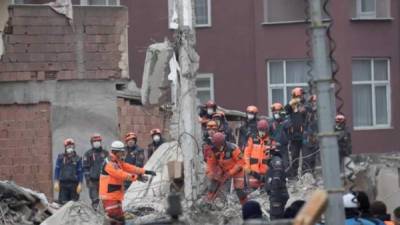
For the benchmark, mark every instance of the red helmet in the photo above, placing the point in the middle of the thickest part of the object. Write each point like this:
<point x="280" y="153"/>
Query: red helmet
<point x="252" y="109"/>
<point x="211" y="104"/>
<point x="262" y="125"/>
<point x="297" y="92"/>
<point x="130" y="136"/>
<point x="95" y="137"/>
<point x="218" y="139"/>
<point x="276" y="107"/>
<point x="69" y="141"/>
<point x="340" y="118"/>
<point x="155" y="131"/>
<point x="212" y="125"/>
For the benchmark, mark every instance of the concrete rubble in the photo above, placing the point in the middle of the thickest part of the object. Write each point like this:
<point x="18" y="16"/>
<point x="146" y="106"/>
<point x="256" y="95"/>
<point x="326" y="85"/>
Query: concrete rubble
<point x="21" y="206"/>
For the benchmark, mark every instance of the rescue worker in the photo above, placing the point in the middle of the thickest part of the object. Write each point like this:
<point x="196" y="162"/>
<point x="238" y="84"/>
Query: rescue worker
<point x="113" y="175"/>
<point x="310" y="141"/>
<point x="223" y="164"/>
<point x="222" y="123"/>
<point x="276" y="188"/>
<point x="344" y="139"/>
<point x="157" y="140"/>
<point x="206" y="113"/>
<point x="92" y="163"/>
<point x="352" y="212"/>
<point x="249" y="128"/>
<point x="279" y="128"/>
<point x="378" y="210"/>
<point x="212" y="128"/>
<point x="68" y="173"/>
<point x="297" y="112"/>
<point x="134" y="154"/>
<point x="256" y="155"/>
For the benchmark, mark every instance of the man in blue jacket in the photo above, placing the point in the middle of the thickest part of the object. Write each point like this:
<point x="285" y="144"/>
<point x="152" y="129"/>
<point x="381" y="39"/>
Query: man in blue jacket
<point x="68" y="173"/>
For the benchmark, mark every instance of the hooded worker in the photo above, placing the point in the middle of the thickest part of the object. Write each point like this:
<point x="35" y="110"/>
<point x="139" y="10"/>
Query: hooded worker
<point x="224" y="162"/>
<point x="113" y="175"/>
<point x="68" y="173"/>
<point x="257" y="153"/>
<point x="92" y="162"/>
<point x="157" y="141"/>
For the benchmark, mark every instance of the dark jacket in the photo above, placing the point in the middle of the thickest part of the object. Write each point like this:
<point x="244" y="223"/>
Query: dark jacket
<point x="344" y="142"/>
<point x="152" y="147"/>
<point x="92" y="163"/>
<point x="278" y="131"/>
<point x="68" y="169"/>
<point x="135" y="156"/>
<point x="249" y="128"/>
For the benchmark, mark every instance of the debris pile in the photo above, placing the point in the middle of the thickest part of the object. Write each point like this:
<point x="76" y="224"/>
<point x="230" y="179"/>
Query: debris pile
<point x="74" y="213"/>
<point x="21" y="206"/>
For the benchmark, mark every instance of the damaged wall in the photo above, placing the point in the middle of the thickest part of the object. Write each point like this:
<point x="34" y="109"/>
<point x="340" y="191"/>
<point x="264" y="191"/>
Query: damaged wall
<point x="74" y="69"/>
<point x="25" y="145"/>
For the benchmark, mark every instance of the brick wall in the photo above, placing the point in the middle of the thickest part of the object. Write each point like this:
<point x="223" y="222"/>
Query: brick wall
<point x="25" y="146"/>
<point x="41" y="44"/>
<point x="140" y="120"/>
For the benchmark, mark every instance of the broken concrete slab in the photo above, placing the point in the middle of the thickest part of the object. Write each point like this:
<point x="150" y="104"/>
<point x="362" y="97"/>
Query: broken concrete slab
<point x="75" y="213"/>
<point x="21" y="206"/>
<point x="155" y="85"/>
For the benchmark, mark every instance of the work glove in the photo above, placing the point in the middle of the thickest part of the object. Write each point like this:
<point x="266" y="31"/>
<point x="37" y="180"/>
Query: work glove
<point x="79" y="188"/>
<point x="57" y="186"/>
<point x="142" y="178"/>
<point x="150" y="172"/>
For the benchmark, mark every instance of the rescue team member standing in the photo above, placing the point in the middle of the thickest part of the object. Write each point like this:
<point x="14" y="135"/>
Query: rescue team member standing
<point x="134" y="154"/>
<point x="279" y="131"/>
<point x="224" y="162"/>
<point x="68" y="173"/>
<point x="92" y="163"/>
<point x="113" y="175"/>
<point x="257" y="153"/>
<point x="249" y="128"/>
<point x="157" y="141"/>
<point x="212" y="128"/>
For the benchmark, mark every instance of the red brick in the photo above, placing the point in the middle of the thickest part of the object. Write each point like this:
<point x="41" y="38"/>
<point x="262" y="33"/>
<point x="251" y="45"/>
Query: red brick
<point x="102" y="29"/>
<point x="38" y="21"/>
<point x="100" y="20"/>
<point x="37" y="30"/>
<point x="19" y="11"/>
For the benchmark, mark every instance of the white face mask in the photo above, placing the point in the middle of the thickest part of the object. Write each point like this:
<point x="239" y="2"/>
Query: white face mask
<point x="156" y="138"/>
<point x="276" y="116"/>
<point x="69" y="150"/>
<point x="250" y="116"/>
<point x="261" y="133"/>
<point x="96" y="144"/>
<point x="210" y="111"/>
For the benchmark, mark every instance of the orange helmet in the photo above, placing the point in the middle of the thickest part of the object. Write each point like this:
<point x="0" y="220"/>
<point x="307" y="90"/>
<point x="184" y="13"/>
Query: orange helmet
<point x="252" y="109"/>
<point x="95" y="137"/>
<point x="276" y="107"/>
<point x="340" y="118"/>
<point x="130" y="136"/>
<point x="297" y="92"/>
<point x="155" y="131"/>
<point x="69" y="141"/>
<point x="262" y="125"/>
<point x="212" y="125"/>
<point x="211" y="104"/>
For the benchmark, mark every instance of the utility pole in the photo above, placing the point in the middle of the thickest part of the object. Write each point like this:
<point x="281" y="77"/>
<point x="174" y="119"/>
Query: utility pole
<point x="326" y="105"/>
<point x="186" y="108"/>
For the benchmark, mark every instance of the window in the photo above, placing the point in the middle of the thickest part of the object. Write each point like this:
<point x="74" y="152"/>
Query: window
<point x="371" y="93"/>
<point x="285" y="11"/>
<point x="16" y="1"/>
<point x="202" y="10"/>
<point x="205" y="87"/>
<point x="370" y="9"/>
<point x="283" y="76"/>
<point x="100" y="2"/>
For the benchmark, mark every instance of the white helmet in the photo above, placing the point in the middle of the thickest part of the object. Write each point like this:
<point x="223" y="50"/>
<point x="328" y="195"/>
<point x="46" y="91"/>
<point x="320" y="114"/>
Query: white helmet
<point x="117" y="146"/>
<point x="350" y="201"/>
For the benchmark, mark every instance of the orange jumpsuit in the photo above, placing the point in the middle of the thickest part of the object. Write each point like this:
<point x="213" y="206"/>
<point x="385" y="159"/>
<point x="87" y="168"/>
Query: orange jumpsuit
<point x="111" y="185"/>
<point x="223" y="165"/>
<point x="256" y="155"/>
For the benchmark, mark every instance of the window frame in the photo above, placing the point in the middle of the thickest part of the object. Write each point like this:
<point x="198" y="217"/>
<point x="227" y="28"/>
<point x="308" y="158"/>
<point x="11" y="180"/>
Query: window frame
<point x="210" y="76"/>
<point x="283" y="85"/>
<point x="86" y="3"/>
<point x="373" y="84"/>
<point x="365" y="15"/>
<point x="209" y="24"/>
